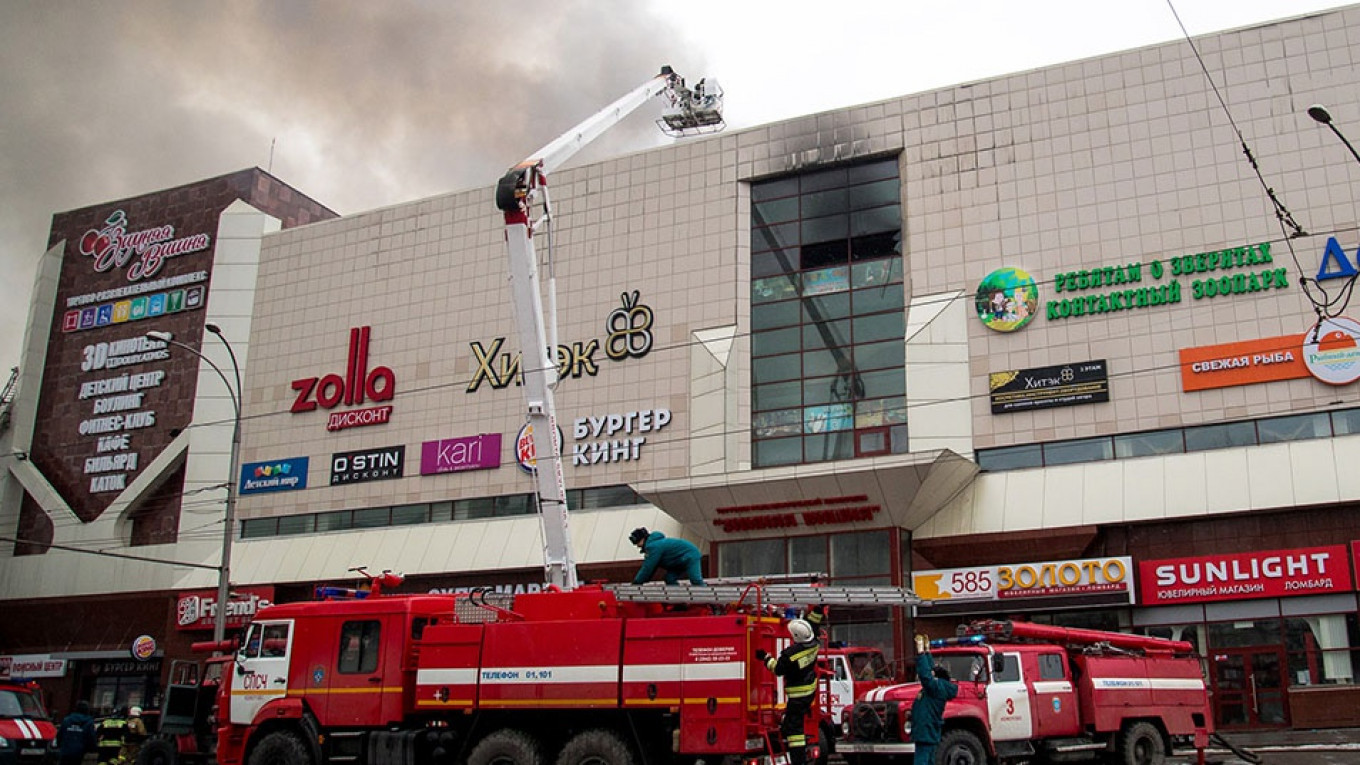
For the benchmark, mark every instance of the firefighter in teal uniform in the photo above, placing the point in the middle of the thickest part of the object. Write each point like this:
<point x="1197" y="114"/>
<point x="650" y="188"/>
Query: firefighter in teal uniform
<point x="676" y="556"/>
<point x="927" y="712"/>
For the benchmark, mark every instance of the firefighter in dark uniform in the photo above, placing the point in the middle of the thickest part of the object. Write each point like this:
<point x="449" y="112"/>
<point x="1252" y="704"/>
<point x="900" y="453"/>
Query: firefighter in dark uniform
<point x="111" y="733"/>
<point x="927" y="712"/>
<point x="797" y="664"/>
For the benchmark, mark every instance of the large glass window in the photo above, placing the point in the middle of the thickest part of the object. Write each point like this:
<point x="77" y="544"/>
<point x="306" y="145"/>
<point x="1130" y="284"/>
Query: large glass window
<point x="827" y="303"/>
<point x="594" y="498"/>
<point x="1296" y="428"/>
<point x="1194" y="438"/>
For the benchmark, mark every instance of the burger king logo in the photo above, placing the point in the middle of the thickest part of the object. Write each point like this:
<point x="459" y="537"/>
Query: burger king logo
<point x="525" y="453"/>
<point x="143" y="648"/>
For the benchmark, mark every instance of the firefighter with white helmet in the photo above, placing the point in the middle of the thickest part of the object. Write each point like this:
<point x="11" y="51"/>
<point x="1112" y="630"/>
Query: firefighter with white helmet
<point x="135" y="735"/>
<point x="797" y="664"/>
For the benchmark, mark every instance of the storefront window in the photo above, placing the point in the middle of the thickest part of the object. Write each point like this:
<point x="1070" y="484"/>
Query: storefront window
<point x="753" y="558"/>
<point x="865" y="554"/>
<point x="857" y="558"/>
<point x="1190" y="633"/>
<point x="808" y="555"/>
<point x="1323" y="649"/>
<point x="1109" y="621"/>
<point x="1242" y="634"/>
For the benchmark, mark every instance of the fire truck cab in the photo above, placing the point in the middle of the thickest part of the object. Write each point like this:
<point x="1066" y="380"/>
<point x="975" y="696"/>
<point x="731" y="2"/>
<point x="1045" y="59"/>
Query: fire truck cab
<point x="27" y="735"/>
<point x="1027" y="690"/>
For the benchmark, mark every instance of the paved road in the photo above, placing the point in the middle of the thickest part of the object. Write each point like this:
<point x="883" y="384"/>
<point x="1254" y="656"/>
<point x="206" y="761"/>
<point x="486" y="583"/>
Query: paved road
<point x="1293" y="755"/>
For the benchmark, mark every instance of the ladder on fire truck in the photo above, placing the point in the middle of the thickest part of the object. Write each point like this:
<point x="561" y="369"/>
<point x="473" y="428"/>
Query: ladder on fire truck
<point x="7" y="398"/>
<point x="758" y="594"/>
<point x="520" y="194"/>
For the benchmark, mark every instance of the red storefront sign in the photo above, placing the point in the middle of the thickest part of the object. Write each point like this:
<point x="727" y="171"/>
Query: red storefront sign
<point x="197" y="609"/>
<point x="1241" y="576"/>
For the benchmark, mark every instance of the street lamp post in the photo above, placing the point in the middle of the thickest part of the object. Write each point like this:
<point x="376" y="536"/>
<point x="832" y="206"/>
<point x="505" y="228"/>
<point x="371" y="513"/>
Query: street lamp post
<point x="1320" y="114"/>
<point x="229" y="519"/>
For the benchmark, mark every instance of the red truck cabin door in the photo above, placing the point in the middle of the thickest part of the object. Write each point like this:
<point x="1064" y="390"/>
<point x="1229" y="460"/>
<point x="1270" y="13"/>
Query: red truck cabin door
<point x="358" y="688"/>
<point x="1008" y="702"/>
<point x="260" y="673"/>
<point x="1055" y="697"/>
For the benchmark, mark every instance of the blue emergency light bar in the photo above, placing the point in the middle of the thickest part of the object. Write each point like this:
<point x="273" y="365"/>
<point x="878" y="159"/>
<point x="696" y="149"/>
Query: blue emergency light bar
<point x="965" y="640"/>
<point x="340" y="593"/>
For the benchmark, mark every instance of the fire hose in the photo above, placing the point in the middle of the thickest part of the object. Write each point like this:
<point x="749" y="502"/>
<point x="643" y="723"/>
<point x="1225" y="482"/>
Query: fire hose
<point x="1245" y="754"/>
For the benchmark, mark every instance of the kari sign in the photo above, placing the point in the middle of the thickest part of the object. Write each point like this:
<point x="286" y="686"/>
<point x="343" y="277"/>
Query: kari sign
<point x="1027" y="580"/>
<point x="453" y="455"/>
<point x="1239" y="576"/>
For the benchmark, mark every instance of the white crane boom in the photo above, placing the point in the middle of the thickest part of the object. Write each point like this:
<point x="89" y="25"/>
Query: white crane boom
<point x="697" y="110"/>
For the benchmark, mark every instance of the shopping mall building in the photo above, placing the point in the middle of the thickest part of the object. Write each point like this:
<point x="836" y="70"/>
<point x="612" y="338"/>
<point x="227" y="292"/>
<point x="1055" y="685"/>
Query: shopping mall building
<point x="1037" y="347"/>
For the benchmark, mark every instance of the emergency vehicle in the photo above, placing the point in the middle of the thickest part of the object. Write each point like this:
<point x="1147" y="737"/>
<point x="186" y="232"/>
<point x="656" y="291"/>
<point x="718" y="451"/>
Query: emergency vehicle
<point x="1059" y="693"/>
<point x="599" y="674"/>
<point x="848" y="672"/>
<point x="27" y="734"/>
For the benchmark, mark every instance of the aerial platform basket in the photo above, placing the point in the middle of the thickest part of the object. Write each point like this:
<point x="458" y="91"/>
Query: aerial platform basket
<point x="695" y="111"/>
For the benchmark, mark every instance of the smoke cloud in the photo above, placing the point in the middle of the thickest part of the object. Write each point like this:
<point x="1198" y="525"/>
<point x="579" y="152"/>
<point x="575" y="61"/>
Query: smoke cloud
<point x="361" y="104"/>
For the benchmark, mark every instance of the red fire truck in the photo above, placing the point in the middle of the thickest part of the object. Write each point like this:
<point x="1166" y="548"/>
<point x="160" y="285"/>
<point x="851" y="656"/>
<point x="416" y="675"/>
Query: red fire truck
<point x="1031" y="689"/>
<point x="589" y="675"/>
<point x="27" y="735"/>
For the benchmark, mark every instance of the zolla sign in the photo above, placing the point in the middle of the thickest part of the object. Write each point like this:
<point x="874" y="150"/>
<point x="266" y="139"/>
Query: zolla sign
<point x="1233" y="271"/>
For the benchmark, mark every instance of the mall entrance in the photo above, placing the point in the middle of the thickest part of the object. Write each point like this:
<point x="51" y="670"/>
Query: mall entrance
<point x="1249" y="688"/>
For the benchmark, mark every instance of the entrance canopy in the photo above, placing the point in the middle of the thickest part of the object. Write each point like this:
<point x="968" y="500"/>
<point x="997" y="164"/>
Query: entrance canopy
<point x="898" y="490"/>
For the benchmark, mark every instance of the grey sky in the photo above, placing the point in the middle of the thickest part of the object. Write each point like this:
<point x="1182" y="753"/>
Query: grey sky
<point x="371" y="104"/>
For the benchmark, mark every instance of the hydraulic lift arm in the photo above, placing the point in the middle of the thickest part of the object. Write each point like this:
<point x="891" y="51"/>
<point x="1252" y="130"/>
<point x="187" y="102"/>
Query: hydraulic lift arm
<point x="689" y="111"/>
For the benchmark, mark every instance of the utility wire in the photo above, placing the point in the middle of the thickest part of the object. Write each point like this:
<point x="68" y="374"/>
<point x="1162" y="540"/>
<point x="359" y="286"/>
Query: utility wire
<point x="683" y="345"/>
<point x="107" y="554"/>
<point x="1326" y="306"/>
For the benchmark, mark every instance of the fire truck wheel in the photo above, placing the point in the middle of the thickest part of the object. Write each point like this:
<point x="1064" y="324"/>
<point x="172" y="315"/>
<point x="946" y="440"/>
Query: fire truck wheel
<point x="157" y="751"/>
<point x="1141" y="744"/>
<point x="280" y="748"/>
<point x="596" y="747"/>
<point x="506" y="747"/>
<point x="960" y="747"/>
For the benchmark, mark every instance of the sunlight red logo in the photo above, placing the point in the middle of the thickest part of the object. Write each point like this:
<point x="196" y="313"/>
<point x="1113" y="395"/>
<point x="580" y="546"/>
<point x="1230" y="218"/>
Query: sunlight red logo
<point x="143" y="252"/>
